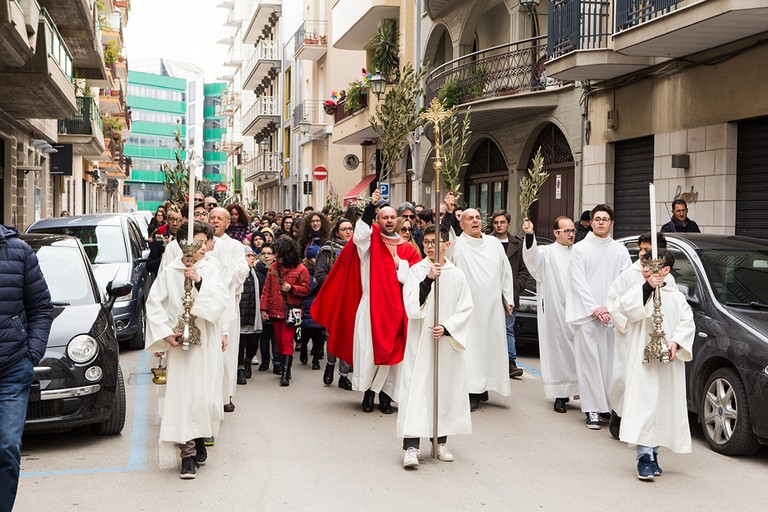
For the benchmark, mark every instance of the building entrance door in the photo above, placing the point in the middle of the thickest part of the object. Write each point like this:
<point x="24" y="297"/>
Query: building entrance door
<point x="556" y="195"/>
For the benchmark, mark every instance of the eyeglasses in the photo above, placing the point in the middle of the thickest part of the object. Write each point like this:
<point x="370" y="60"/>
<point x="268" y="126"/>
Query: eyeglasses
<point x="264" y="253"/>
<point x="568" y="231"/>
<point x="431" y="243"/>
<point x="405" y="230"/>
<point x="315" y="221"/>
<point x="601" y="220"/>
<point x="409" y="216"/>
<point x="499" y="222"/>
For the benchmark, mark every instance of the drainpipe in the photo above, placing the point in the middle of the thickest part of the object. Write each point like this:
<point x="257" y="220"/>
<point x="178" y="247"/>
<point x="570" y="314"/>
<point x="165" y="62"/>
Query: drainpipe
<point x="420" y="103"/>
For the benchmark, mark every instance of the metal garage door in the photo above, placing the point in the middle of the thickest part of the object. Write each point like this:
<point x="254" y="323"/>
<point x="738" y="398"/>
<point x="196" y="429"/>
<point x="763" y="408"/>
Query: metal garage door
<point x="752" y="179"/>
<point x="632" y="172"/>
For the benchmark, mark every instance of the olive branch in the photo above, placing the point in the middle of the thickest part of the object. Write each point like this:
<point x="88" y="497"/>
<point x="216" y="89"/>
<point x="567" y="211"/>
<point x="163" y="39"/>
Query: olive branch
<point x="531" y="184"/>
<point x="454" y="137"/>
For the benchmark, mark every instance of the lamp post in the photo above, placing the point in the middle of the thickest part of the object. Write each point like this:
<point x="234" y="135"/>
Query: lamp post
<point x="530" y="6"/>
<point x="378" y="84"/>
<point x="264" y="146"/>
<point x="304" y="126"/>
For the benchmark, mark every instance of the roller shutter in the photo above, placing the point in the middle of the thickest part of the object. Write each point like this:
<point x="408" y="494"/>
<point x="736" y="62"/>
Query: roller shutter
<point x="633" y="171"/>
<point x="752" y="179"/>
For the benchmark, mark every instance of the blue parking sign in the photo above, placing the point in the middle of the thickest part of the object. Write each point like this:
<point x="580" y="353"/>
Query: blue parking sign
<point x="384" y="190"/>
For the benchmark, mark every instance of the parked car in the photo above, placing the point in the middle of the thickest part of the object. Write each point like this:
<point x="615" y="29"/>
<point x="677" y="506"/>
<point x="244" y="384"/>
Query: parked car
<point x="725" y="279"/>
<point x="117" y="251"/>
<point x="143" y="218"/>
<point x="78" y="381"/>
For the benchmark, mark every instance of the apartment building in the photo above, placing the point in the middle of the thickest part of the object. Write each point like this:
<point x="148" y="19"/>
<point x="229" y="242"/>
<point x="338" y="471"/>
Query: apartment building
<point x="55" y="64"/>
<point x="673" y="93"/>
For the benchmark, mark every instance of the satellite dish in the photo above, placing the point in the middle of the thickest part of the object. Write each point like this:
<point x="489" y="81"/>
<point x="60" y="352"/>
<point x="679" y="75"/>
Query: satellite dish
<point x="351" y="162"/>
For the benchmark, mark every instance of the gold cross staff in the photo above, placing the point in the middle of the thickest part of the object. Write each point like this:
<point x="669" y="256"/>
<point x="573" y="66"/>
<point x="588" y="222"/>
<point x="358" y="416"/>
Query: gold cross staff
<point x="435" y="115"/>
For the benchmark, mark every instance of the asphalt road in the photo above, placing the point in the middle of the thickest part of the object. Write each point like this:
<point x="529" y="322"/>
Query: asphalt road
<point x="310" y="447"/>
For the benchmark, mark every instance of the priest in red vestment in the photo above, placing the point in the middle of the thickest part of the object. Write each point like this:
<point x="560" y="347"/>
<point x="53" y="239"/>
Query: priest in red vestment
<point x="361" y="304"/>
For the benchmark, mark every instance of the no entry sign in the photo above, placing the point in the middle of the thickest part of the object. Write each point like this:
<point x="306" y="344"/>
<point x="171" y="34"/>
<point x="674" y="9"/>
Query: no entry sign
<point x="320" y="173"/>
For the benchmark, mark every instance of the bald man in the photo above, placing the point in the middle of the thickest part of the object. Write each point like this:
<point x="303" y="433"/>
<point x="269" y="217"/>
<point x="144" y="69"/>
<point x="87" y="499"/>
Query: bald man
<point x="234" y="269"/>
<point x="485" y="264"/>
<point x="361" y="304"/>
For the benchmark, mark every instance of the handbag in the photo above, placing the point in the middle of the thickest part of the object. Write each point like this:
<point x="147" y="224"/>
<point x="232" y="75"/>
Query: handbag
<point x="292" y="314"/>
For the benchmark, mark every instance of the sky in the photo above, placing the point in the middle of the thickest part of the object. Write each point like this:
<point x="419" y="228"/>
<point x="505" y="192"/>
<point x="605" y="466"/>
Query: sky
<point x="185" y="30"/>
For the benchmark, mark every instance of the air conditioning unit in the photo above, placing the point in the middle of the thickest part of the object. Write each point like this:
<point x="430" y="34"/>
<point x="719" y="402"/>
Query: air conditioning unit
<point x="112" y="184"/>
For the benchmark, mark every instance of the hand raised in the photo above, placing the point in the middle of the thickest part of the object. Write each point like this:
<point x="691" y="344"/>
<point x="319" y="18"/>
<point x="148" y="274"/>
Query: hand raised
<point x="527" y="226"/>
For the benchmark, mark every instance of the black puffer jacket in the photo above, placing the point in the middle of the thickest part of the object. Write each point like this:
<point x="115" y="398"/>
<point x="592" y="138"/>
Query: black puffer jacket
<point x="26" y="312"/>
<point x="248" y="303"/>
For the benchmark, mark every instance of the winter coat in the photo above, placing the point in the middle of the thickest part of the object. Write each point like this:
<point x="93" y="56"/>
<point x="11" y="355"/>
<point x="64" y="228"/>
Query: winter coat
<point x="326" y="258"/>
<point x="514" y="251"/>
<point x="248" y="304"/>
<point x="675" y="226"/>
<point x="306" y="318"/>
<point x="26" y="311"/>
<point x="272" y="300"/>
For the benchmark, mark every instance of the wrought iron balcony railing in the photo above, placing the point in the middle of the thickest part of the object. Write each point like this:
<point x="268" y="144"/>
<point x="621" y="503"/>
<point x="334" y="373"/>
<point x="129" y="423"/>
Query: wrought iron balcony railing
<point x="578" y="25"/>
<point x="629" y="13"/>
<point x="86" y="121"/>
<point x="491" y="73"/>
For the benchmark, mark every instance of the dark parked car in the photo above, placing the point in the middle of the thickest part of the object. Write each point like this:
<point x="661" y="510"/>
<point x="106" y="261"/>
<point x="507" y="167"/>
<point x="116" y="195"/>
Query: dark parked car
<point x="526" y="328"/>
<point x="78" y="381"/>
<point x="725" y="279"/>
<point x="117" y="251"/>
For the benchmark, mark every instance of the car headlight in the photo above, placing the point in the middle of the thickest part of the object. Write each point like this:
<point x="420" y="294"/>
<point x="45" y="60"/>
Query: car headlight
<point x="82" y="348"/>
<point x="125" y="297"/>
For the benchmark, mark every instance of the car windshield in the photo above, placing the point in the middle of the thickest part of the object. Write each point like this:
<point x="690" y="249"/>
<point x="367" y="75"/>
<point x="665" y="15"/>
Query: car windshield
<point x="66" y="275"/>
<point x="737" y="277"/>
<point x="102" y="244"/>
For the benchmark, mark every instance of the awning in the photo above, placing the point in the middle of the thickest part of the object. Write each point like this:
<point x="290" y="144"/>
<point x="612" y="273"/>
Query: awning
<point x="357" y="189"/>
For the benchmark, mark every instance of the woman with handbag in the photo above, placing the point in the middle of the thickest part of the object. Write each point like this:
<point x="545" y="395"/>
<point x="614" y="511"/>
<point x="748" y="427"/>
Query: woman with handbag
<point x="287" y="283"/>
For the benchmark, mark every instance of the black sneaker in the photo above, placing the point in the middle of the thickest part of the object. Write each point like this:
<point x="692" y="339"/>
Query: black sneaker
<point x="615" y="425"/>
<point x="241" y="380"/>
<point x="264" y="366"/>
<point x="605" y="417"/>
<point x="657" y="471"/>
<point x="593" y="421"/>
<point x="328" y="375"/>
<point x="202" y="452"/>
<point x="345" y="383"/>
<point x="188" y="468"/>
<point x="209" y="441"/>
<point x="560" y="405"/>
<point x="645" y="468"/>
<point x="315" y="364"/>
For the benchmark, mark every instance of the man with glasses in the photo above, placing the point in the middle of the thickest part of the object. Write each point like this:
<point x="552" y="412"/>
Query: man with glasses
<point x="595" y="262"/>
<point x="210" y="203"/>
<point x="164" y="235"/>
<point x="513" y="247"/>
<point x="680" y="223"/>
<point x="549" y="264"/>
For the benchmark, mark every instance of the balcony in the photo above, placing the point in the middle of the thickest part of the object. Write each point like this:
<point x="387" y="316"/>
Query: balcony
<point x="114" y="160"/>
<point x="676" y="28"/>
<point x="18" y="22"/>
<point x="505" y="70"/>
<point x="228" y="39"/>
<point x="312" y="112"/>
<point x="78" y="23"/>
<point x="311" y="40"/>
<point x="264" y="169"/>
<point x="264" y="63"/>
<point x="112" y="29"/>
<point x="263" y="116"/>
<point x="112" y="101"/>
<point x="233" y="19"/>
<point x="84" y="129"/>
<point x="354" y="127"/>
<point x="42" y="87"/>
<point x="231" y="140"/>
<point x="265" y="14"/>
<point x="229" y="103"/>
<point x="354" y="21"/>
<point x="234" y="58"/>
<point x="579" y="45"/>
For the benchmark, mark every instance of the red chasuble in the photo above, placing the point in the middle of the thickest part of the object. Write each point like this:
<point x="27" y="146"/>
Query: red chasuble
<point x="336" y="304"/>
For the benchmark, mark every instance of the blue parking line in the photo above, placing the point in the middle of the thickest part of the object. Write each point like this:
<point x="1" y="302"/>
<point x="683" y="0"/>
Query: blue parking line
<point x="138" y="456"/>
<point x="530" y="369"/>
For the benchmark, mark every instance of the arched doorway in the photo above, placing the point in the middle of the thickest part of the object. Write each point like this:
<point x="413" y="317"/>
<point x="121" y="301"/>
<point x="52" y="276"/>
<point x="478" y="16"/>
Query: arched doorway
<point x="487" y="178"/>
<point x="556" y="195"/>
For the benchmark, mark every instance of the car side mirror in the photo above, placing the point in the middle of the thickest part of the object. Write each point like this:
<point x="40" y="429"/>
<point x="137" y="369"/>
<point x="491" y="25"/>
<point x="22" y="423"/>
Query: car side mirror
<point x="144" y="256"/>
<point x="116" y="289"/>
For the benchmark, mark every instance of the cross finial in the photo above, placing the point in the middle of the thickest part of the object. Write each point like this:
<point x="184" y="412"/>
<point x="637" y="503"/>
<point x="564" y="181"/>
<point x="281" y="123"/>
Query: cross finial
<point x="435" y="114"/>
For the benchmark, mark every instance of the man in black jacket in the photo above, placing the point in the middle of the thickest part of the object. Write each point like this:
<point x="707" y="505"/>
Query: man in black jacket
<point x="513" y="246"/>
<point x="680" y="223"/>
<point x="26" y="314"/>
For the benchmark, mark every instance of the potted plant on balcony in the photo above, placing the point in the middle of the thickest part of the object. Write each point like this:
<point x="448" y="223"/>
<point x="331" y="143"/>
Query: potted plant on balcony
<point x="329" y="106"/>
<point x="111" y="52"/>
<point x="357" y="93"/>
<point x="384" y="49"/>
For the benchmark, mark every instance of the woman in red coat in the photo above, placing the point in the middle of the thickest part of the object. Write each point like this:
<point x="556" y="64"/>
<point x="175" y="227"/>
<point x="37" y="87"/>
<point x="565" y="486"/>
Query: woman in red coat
<point x="287" y="283"/>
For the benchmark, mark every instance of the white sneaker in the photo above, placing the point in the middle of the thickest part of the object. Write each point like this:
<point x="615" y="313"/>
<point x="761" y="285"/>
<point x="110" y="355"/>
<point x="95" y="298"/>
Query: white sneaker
<point x="411" y="458"/>
<point x="444" y="454"/>
<point x="593" y="421"/>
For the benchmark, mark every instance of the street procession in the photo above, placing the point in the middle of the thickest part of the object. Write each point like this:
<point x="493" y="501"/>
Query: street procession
<point x="390" y="247"/>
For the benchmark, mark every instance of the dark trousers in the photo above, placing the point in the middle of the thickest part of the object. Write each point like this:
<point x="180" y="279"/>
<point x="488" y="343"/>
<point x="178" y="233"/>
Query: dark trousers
<point x="249" y="344"/>
<point x="267" y="341"/>
<point x="15" y="381"/>
<point x="413" y="442"/>
<point x="317" y="335"/>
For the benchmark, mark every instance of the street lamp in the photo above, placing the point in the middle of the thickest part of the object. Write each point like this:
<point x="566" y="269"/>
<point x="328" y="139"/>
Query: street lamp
<point x="530" y="5"/>
<point x="378" y="84"/>
<point x="264" y="145"/>
<point x="304" y="125"/>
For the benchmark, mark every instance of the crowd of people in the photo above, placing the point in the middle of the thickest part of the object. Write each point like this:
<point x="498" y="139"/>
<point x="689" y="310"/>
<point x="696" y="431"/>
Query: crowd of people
<point x="357" y="289"/>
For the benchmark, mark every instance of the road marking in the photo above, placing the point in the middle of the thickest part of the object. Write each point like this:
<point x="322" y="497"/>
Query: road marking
<point x="530" y="369"/>
<point x="138" y="457"/>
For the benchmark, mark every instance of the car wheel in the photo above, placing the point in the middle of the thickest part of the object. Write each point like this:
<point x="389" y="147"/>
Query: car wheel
<point x="116" y="421"/>
<point x="726" y="421"/>
<point x="137" y="340"/>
